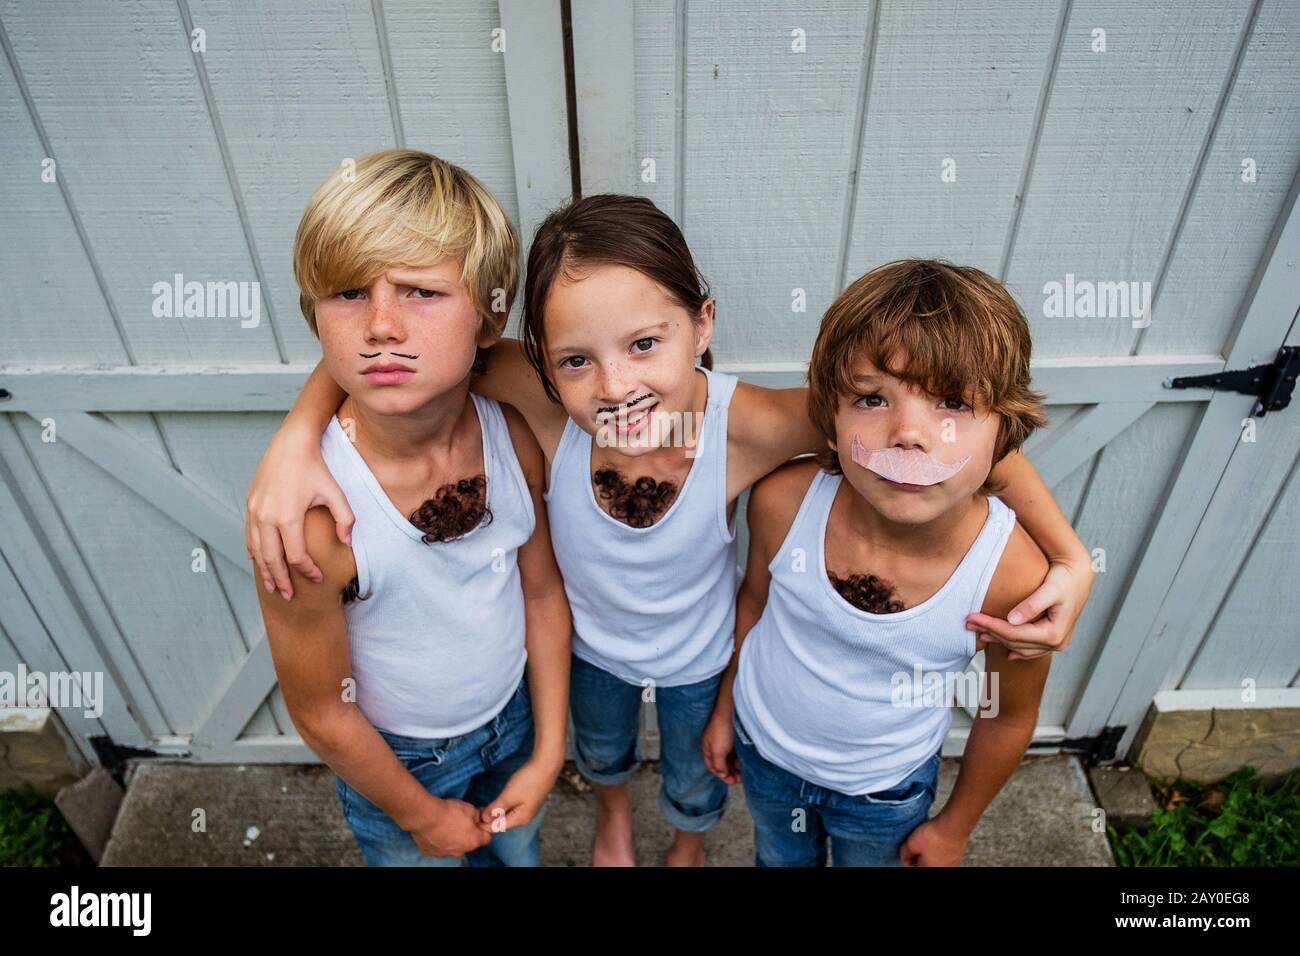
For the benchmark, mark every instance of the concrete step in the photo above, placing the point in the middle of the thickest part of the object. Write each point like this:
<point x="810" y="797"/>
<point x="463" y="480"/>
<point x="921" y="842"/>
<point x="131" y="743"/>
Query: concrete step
<point x="289" y="815"/>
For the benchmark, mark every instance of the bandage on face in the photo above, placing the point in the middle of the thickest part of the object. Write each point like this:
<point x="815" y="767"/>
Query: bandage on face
<point x="906" y="466"/>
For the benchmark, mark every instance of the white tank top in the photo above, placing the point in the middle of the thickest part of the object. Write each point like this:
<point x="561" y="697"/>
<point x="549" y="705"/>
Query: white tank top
<point x="656" y="603"/>
<point x="816" y="684"/>
<point x="437" y="633"/>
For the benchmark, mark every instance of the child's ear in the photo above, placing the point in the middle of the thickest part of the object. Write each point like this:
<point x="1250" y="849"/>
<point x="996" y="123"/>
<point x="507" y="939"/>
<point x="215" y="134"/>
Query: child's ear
<point x="491" y="330"/>
<point x="704" y="327"/>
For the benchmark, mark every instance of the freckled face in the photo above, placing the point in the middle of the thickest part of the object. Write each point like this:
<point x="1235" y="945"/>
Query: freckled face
<point x="620" y="350"/>
<point x="402" y="341"/>
<point x="888" y="413"/>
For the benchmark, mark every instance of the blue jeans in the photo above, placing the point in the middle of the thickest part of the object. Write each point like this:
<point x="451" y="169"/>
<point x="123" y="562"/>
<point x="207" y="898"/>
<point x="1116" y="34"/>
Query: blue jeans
<point x="473" y="767"/>
<point x="606" y="715"/>
<point x="794" y="818"/>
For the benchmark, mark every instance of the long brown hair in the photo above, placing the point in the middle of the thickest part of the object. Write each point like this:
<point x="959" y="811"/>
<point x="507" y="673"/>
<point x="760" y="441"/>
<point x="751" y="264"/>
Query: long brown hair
<point x="607" y="229"/>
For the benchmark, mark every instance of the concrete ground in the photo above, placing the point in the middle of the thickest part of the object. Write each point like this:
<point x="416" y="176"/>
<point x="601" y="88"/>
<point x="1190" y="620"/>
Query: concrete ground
<point x="178" y="814"/>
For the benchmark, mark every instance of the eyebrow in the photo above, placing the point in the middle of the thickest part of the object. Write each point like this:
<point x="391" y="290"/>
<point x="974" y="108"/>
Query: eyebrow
<point x="866" y="379"/>
<point x="636" y="334"/>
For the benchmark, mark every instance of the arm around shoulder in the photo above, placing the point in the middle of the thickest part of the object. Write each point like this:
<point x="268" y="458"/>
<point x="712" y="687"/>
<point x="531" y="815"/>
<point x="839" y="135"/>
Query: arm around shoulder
<point x="308" y="635"/>
<point x="1020" y="682"/>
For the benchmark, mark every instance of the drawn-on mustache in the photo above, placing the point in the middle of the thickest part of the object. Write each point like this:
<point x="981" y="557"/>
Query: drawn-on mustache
<point x="398" y="354"/>
<point x="615" y="408"/>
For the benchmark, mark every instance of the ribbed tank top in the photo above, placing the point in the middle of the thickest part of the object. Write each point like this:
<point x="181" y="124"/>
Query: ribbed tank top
<point x="437" y="635"/>
<point x="817" y="676"/>
<point x="656" y="603"/>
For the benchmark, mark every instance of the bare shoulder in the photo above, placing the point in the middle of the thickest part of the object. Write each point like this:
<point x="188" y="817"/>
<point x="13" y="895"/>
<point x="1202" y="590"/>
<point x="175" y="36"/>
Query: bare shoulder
<point x="766" y="428"/>
<point x="774" y="501"/>
<point x="527" y="450"/>
<point x="1019" y="573"/>
<point x="337" y="566"/>
<point x="759" y="413"/>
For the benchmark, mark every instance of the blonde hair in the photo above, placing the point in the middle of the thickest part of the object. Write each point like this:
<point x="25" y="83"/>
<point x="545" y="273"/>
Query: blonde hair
<point x="958" y="330"/>
<point x="404" y="207"/>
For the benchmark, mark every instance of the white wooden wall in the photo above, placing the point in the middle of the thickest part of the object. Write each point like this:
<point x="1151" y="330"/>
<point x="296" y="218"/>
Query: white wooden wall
<point x="787" y="170"/>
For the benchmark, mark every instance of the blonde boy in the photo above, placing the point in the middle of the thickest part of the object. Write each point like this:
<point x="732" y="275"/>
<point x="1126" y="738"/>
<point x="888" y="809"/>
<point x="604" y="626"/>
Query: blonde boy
<point x="428" y="663"/>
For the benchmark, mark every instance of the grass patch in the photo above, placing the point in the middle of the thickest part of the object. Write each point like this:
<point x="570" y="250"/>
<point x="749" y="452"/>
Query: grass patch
<point x="32" y="831"/>
<point x="1236" y="822"/>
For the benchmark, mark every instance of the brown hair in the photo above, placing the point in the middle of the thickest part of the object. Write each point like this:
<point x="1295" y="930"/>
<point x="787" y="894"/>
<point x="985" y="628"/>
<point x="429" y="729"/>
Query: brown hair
<point x="606" y="229"/>
<point x="959" y="331"/>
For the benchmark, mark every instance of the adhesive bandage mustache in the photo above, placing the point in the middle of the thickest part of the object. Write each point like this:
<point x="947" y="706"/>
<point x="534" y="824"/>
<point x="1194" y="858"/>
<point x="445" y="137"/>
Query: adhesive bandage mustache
<point x="907" y="466"/>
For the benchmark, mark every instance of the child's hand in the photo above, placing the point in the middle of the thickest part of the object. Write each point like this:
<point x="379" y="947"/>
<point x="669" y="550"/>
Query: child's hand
<point x="931" y="844"/>
<point x="719" y="746"/>
<point x="1059" y="600"/>
<point x="290" y="480"/>
<point x="520" y="800"/>
<point x="453" y="831"/>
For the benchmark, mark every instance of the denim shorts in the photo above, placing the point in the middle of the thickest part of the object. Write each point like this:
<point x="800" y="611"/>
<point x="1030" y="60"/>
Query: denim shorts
<point x="606" y="713"/>
<point x="473" y="767"/>
<point x="795" y="819"/>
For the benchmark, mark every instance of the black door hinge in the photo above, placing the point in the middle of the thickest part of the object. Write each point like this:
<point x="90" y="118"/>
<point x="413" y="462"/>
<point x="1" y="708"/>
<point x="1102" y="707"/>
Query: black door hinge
<point x="1271" y="384"/>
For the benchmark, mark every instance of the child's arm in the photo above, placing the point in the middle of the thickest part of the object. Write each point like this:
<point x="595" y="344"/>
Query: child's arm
<point x="309" y="646"/>
<point x="1060" y="598"/>
<point x="292" y="478"/>
<point x="1003" y="727"/>
<point x="547" y="630"/>
<point x="773" y="503"/>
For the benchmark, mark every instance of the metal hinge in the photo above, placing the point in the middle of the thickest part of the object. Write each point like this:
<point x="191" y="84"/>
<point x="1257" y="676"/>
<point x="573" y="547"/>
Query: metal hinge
<point x="1271" y="384"/>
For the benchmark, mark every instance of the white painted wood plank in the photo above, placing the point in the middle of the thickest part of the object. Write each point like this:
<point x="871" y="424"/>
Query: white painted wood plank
<point x="604" y="63"/>
<point x="138" y="468"/>
<point x="176" y="621"/>
<point x="256" y="750"/>
<point x="39" y="608"/>
<point x="539" y="130"/>
<point x="46" y="275"/>
<point x="219" y="453"/>
<point x="1130" y="668"/>
<point x="769" y="147"/>
<point x="1087" y="434"/>
<point x="1229" y="221"/>
<point x="223" y="576"/>
<point x="951" y="81"/>
<point x="69" y="563"/>
<point x="658" y="50"/>
<point x="1119" y="141"/>
<point x="240" y="698"/>
<point x="33" y="649"/>
<point x="1225" y="699"/>
<point x="1234" y="585"/>
<point x="142" y="165"/>
<point x="451" y="87"/>
<point x="1119" y="496"/>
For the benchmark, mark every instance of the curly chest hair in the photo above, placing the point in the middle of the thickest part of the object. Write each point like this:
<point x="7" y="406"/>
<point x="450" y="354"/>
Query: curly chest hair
<point x="455" y="509"/>
<point x="639" y="504"/>
<point x="867" y="593"/>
